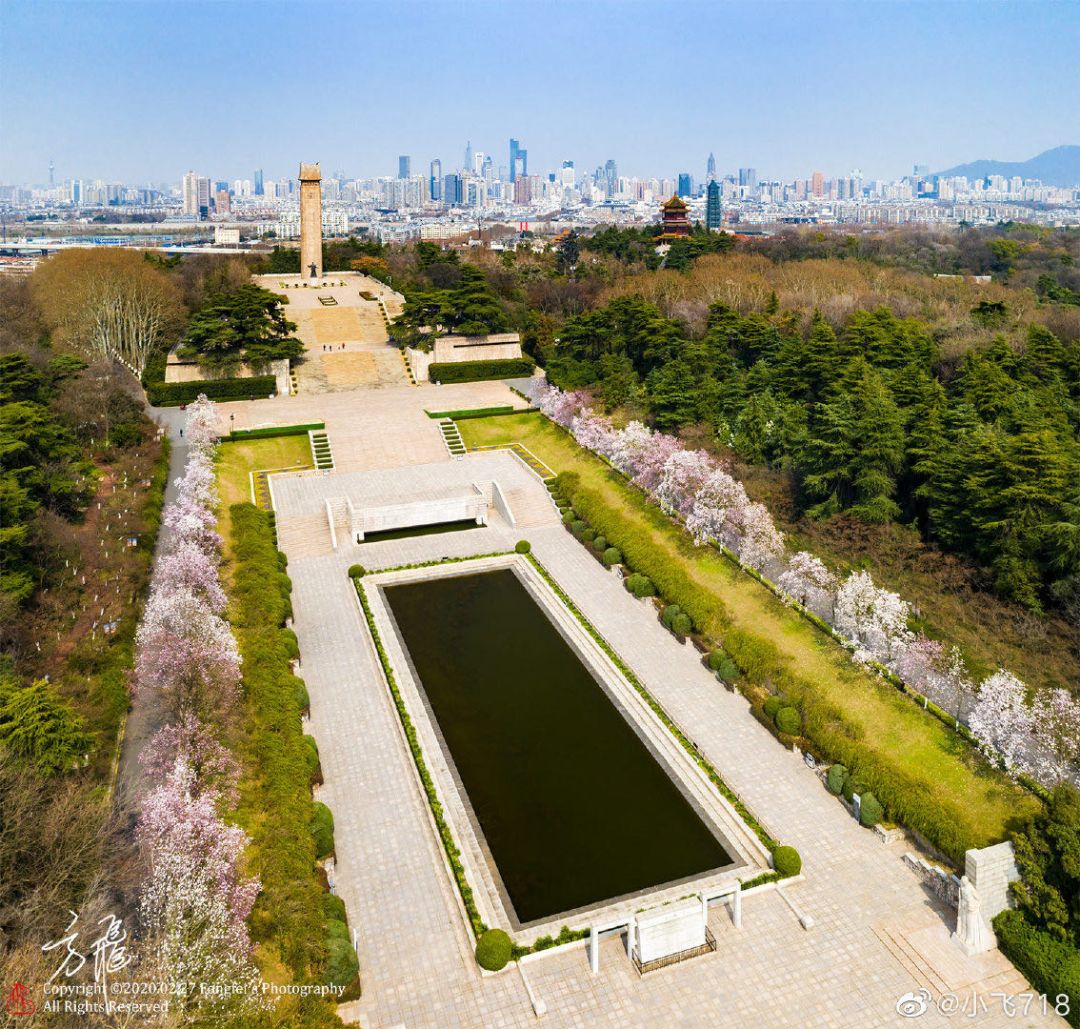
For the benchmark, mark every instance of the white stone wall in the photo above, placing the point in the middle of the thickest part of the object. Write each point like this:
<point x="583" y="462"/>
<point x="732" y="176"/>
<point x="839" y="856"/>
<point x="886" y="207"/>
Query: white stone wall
<point x="990" y="871"/>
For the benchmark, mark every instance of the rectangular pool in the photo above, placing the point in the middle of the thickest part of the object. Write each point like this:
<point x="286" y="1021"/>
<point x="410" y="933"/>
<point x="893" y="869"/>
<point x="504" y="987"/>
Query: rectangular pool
<point x="573" y="806"/>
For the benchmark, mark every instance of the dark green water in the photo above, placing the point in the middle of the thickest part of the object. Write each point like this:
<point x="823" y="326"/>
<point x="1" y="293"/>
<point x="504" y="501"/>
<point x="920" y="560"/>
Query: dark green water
<point x="573" y="806"/>
<point x="419" y="530"/>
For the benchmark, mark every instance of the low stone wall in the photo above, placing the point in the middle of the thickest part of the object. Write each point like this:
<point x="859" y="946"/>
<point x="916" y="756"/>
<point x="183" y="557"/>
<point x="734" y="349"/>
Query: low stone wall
<point x="941" y="882"/>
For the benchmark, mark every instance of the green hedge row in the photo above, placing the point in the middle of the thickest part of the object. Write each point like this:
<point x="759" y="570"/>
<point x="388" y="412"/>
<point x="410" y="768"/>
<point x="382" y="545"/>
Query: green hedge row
<point x="1051" y="966"/>
<point x="289" y="922"/>
<point x="476" y="412"/>
<point x="271" y="431"/>
<point x="474" y="371"/>
<point x="171" y="394"/>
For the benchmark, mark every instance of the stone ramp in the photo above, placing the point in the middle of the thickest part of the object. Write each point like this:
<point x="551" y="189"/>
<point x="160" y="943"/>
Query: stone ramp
<point x="531" y="507"/>
<point x="304" y="535"/>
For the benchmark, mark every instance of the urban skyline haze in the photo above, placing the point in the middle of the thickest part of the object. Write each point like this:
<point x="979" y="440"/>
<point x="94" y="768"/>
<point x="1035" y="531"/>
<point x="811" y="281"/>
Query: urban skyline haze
<point x="141" y="92"/>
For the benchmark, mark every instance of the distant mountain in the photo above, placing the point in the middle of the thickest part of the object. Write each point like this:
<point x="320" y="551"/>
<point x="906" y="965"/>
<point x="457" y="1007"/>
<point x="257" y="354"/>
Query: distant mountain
<point x="1057" y="167"/>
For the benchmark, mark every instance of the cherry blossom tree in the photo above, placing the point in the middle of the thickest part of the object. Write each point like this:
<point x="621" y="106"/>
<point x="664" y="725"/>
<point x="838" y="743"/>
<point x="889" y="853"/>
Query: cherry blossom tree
<point x="194" y="900"/>
<point x="192" y="742"/>
<point x="807" y="581"/>
<point x="183" y="647"/>
<point x="762" y="542"/>
<point x="594" y="433"/>
<point x="683" y="475"/>
<point x="1001" y="718"/>
<point x="716" y="510"/>
<point x="202" y="423"/>
<point x="1057" y="725"/>
<point x="188" y="521"/>
<point x="934" y="670"/>
<point x="874" y="619"/>
<point x="186" y="566"/>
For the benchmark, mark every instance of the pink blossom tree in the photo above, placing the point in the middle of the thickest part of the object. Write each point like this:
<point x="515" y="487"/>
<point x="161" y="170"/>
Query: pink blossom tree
<point x="1001" y="718"/>
<point x="193" y="743"/>
<point x="762" y="542"/>
<point x="202" y="423"/>
<point x="873" y="619"/>
<point x="594" y="432"/>
<point x="186" y="566"/>
<point x="1057" y="727"/>
<point x="807" y="581"/>
<point x="683" y="474"/>
<point x="188" y="521"/>
<point x="194" y="902"/>
<point x="716" y="510"/>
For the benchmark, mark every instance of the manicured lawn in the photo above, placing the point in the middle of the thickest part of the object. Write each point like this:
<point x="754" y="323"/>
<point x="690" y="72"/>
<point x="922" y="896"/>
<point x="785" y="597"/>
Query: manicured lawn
<point x="889" y="724"/>
<point x="236" y="462"/>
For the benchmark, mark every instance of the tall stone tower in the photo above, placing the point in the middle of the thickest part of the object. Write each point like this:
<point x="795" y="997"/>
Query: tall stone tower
<point x="310" y="221"/>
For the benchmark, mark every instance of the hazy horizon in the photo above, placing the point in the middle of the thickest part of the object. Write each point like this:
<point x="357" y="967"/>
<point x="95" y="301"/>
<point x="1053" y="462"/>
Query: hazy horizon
<point x="141" y="92"/>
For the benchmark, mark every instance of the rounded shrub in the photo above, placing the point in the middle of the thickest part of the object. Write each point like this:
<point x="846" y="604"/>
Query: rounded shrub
<point x="322" y="829"/>
<point x="640" y="585"/>
<point x="717" y="658"/>
<point x="870" y="810"/>
<point x="303" y="701"/>
<point x="681" y="624"/>
<point x="600" y="544"/>
<point x="789" y="721"/>
<point x="589" y="535"/>
<point x="493" y="950"/>
<point x="577" y="527"/>
<point x="728" y="670"/>
<point x="568" y="517"/>
<point x="336" y="929"/>
<point x="342" y="966"/>
<point x="786" y="861"/>
<point x="612" y="556"/>
<point x="771" y="706"/>
<point x="333" y="907"/>
<point x="311" y="755"/>
<point x="282" y="560"/>
<point x="357" y="571"/>
<point x="668" y="615"/>
<point x="522" y="546"/>
<point x="853" y="785"/>
<point x="834" y="779"/>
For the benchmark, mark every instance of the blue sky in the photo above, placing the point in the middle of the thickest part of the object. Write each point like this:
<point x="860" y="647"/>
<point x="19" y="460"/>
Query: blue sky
<point x="142" y="91"/>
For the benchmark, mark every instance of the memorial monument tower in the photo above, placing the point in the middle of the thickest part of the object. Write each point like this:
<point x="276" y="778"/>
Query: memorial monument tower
<point x="310" y="221"/>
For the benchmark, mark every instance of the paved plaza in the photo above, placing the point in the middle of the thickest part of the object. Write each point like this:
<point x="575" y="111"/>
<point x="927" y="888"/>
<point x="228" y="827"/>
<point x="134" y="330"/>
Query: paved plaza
<point x="876" y="933"/>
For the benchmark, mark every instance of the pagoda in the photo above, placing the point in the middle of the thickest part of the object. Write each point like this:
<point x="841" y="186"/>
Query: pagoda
<point x="676" y="224"/>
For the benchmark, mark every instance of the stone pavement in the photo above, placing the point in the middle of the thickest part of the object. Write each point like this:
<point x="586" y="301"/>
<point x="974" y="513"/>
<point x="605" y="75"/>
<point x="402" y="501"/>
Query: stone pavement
<point x="415" y="951"/>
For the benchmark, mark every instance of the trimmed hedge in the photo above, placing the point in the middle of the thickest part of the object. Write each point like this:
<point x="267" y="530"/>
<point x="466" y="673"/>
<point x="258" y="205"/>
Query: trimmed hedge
<point x="172" y="394"/>
<point x="493" y="950"/>
<point x="613" y="556"/>
<point x="786" y="861"/>
<point x="834" y="779"/>
<point x="476" y="371"/>
<point x="342" y="966"/>
<point x="322" y="829"/>
<point x="1051" y="966"/>
<point x="272" y="431"/>
<point x="640" y="585"/>
<point x="357" y="571"/>
<point x="476" y="412"/>
<point x="522" y="547"/>
<point x="289" y="921"/>
<point x="771" y="706"/>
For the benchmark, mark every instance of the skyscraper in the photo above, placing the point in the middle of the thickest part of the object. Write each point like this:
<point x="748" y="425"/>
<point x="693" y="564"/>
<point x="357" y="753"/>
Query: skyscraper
<point x="710" y="168"/>
<point x="817" y="184"/>
<point x="435" y="179"/>
<point x="404" y="166"/>
<point x="468" y="165"/>
<point x="611" y="177"/>
<point x="748" y="177"/>
<point x="686" y="184"/>
<point x="519" y="160"/>
<point x="196" y="193"/>
<point x="713" y="213"/>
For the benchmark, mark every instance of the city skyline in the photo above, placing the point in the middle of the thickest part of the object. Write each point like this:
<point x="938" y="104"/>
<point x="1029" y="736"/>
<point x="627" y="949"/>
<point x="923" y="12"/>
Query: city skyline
<point x="815" y="97"/>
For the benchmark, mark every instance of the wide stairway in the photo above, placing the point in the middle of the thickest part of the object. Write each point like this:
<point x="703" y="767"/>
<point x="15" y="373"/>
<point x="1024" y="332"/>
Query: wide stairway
<point x="531" y="507"/>
<point x="306" y="535"/>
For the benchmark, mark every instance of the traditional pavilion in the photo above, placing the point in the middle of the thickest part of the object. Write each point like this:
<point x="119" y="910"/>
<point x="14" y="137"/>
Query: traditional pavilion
<point x="676" y="224"/>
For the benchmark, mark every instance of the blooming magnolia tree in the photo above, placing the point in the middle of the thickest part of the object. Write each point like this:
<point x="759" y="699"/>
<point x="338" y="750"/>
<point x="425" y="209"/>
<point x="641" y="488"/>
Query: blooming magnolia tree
<point x="192" y="742"/>
<point x="186" y="567"/>
<point x="683" y="474"/>
<point x="873" y="619"/>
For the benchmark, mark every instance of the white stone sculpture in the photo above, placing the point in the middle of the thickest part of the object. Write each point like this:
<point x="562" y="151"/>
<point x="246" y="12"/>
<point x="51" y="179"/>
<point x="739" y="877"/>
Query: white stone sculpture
<point x="972" y="932"/>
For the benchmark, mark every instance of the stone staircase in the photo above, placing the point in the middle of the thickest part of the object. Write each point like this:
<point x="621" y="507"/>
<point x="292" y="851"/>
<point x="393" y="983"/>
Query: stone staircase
<point x="306" y="535"/>
<point x="455" y="445"/>
<point x="531" y="508"/>
<point x="321" y="451"/>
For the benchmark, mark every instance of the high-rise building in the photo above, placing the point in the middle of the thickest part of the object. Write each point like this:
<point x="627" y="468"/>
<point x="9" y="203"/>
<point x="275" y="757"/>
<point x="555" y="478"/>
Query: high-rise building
<point x="513" y="158"/>
<point x="451" y="189"/>
<point x="611" y="177"/>
<point x="196" y="193"/>
<point x="710" y="168"/>
<point x="487" y="169"/>
<point x="404" y="166"/>
<point x="468" y="165"/>
<point x="713" y="211"/>
<point x="259" y="191"/>
<point x="748" y="177"/>
<point x="817" y="184"/>
<point x="686" y="184"/>
<point x="222" y="203"/>
<point x="435" y="179"/>
<point x="519" y="160"/>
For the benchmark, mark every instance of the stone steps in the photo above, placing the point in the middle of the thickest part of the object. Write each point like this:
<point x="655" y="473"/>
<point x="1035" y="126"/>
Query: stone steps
<point x="455" y="445"/>
<point x="304" y="535"/>
<point x="912" y="963"/>
<point x="530" y="508"/>
<point x="321" y="451"/>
